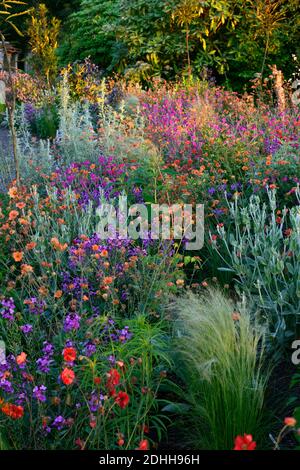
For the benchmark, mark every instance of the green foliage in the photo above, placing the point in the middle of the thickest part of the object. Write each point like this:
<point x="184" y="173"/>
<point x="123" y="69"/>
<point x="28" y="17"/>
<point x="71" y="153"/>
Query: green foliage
<point x="145" y="38"/>
<point x="43" y="35"/>
<point x="91" y="32"/>
<point x="46" y="122"/>
<point x="220" y="359"/>
<point x="10" y="10"/>
<point x="263" y="250"/>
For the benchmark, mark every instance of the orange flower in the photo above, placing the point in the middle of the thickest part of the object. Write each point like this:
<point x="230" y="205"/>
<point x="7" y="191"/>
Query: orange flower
<point x="13" y="215"/>
<point x="21" y="358"/>
<point x="30" y="246"/>
<point x="23" y="221"/>
<point x="13" y="192"/>
<point x="45" y="264"/>
<point x="26" y="269"/>
<point x="104" y="253"/>
<point x="57" y="245"/>
<point x="20" y="205"/>
<point x="17" y="256"/>
<point x="108" y="280"/>
<point x="58" y="294"/>
<point x="67" y="376"/>
<point x="13" y="411"/>
<point x="69" y="354"/>
<point x="291" y="422"/>
<point x="43" y="290"/>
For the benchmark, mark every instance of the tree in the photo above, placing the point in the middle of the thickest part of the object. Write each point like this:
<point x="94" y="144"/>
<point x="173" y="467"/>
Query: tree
<point x="184" y="14"/>
<point x="91" y="31"/>
<point x="43" y="35"/>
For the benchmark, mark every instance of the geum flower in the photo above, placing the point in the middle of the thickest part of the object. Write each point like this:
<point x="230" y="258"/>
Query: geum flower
<point x="67" y="376"/>
<point x="69" y="354"/>
<point x="122" y="399"/>
<point x="21" y="359"/>
<point x="144" y="445"/>
<point x="13" y="411"/>
<point x="244" y="442"/>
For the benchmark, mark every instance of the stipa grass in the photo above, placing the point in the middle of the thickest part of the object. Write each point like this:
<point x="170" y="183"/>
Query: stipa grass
<point x="220" y="359"/>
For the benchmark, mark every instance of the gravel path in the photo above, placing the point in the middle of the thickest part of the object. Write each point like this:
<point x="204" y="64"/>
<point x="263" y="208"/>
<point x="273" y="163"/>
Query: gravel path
<point x="6" y="159"/>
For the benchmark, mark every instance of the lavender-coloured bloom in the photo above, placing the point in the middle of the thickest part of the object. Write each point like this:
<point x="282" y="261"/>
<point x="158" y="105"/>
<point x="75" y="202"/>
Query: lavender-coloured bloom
<point x="39" y="393"/>
<point x="95" y="401"/>
<point x="48" y="348"/>
<point x="36" y="306"/>
<point x="43" y="364"/>
<point x="6" y="385"/>
<point x="72" y="322"/>
<point x="89" y="349"/>
<point x="21" y="398"/>
<point x="29" y="112"/>
<point x="8" y="309"/>
<point x="111" y="359"/>
<point x="211" y="191"/>
<point x="124" y="334"/>
<point x="26" y="329"/>
<point x="59" y="422"/>
<point x="218" y="212"/>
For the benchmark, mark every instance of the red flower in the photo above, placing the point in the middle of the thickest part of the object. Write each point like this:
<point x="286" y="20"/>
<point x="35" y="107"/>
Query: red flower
<point x="244" y="442"/>
<point x="13" y="411"/>
<point x="122" y="399"/>
<point x="144" y="445"/>
<point x="69" y="354"/>
<point x="290" y="422"/>
<point x="113" y="378"/>
<point x="67" y="376"/>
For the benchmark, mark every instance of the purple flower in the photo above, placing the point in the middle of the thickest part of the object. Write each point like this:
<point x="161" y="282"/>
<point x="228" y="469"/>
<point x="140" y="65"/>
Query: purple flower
<point x="43" y="364"/>
<point x="124" y="334"/>
<point x="48" y="348"/>
<point x="59" y="422"/>
<point x="8" y="309"/>
<point x="89" y="349"/>
<point x="6" y="385"/>
<point x="112" y="359"/>
<point x="26" y="329"/>
<point x="36" y="306"/>
<point x="72" y="322"/>
<point x="39" y="393"/>
<point x="95" y="401"/>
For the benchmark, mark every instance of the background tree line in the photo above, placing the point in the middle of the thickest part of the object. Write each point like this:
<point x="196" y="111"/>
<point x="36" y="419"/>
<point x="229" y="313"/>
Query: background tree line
<point x="232" y="39"/>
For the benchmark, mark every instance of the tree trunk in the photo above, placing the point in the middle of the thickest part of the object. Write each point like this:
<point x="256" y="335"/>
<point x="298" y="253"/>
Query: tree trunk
<point x="187" y="33"/>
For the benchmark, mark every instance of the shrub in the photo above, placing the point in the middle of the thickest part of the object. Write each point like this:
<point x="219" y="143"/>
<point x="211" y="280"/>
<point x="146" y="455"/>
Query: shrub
<point x="263" y="250"/>
<point x="220" y="359"/>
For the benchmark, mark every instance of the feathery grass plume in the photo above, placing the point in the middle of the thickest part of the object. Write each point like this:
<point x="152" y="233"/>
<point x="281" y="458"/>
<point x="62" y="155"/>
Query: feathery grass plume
<point x="220" y="359"/>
